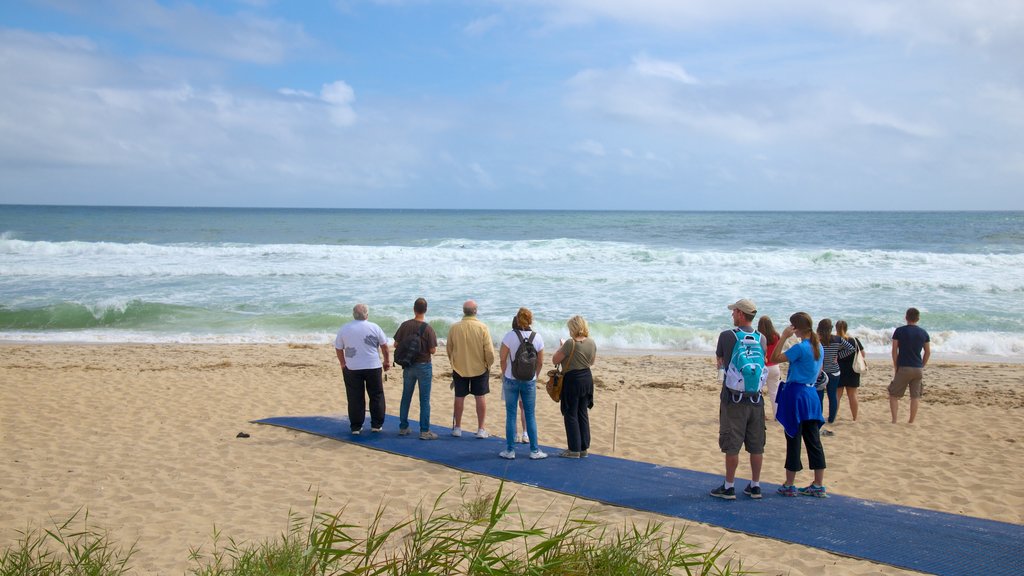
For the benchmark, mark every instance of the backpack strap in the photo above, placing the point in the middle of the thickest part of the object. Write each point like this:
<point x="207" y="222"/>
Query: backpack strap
<point x="741" y="334"/>
<point x="520" y="336"/>
<point x="739" y="397"/>
<point x="423" y="328"/>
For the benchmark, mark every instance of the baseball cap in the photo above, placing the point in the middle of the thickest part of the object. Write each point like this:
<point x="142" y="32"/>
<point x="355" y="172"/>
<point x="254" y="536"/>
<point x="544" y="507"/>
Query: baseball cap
<point x="744" y="305"/>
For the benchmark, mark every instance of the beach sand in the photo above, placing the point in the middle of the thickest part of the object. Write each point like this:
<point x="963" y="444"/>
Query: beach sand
<point x="144" y="438"/>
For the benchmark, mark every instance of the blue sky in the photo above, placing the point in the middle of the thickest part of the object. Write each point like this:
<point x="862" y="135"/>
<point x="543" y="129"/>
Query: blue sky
<point x="562" y="104"/>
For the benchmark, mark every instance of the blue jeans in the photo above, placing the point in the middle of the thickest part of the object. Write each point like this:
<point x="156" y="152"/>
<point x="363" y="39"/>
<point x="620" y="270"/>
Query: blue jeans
<point x="424" y="372"/>
<point x="514" y="389"/>
<point x="833" y="397"/>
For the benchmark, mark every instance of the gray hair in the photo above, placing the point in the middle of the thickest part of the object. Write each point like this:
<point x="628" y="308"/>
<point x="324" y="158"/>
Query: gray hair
<point x="469" y="308"/>
<point x="360" y="312"/>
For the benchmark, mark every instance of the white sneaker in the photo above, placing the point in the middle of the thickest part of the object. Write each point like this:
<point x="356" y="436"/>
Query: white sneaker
<point x="537" y="455"/>
<point x="523" y="439"/>
<point x="508" y="455"/>
<point x="481" y="433"/>
<point x="456" y="432"/>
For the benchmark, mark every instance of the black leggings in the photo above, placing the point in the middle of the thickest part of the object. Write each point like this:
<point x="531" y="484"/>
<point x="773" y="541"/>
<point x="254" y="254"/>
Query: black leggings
<point x="815" y="452"/>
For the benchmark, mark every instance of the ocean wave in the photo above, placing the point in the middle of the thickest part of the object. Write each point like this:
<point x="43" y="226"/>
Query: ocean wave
<point x="456" y="257"/>
<point x="149" y="322"/>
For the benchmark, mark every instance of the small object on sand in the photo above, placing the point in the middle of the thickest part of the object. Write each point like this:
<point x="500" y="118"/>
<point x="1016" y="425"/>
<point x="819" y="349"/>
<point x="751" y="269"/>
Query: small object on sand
<point x="242" y="435"/>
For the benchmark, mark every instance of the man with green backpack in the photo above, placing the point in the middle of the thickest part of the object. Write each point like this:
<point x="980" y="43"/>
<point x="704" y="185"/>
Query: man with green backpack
<point x="740" y="356"/>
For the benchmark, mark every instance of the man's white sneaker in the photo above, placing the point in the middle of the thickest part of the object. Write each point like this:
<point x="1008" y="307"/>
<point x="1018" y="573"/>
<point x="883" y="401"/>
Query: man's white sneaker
<point x="456" y="432"/>
<point x="537" y="455"/>
<point x="508" y="454"/>
<point x="481" y="433"/>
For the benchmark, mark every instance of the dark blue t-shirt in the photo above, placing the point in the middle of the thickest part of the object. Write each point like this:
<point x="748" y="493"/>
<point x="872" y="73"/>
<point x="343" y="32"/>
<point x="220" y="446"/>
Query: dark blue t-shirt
<point x="911" y="340"/>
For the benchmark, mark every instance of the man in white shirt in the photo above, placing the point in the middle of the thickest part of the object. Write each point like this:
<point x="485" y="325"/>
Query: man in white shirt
<point x="357" y="345"/>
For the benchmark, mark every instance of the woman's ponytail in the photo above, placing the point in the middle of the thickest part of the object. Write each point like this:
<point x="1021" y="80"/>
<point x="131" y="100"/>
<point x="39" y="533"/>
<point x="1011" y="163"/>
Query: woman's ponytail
<point x="804" y="324"/>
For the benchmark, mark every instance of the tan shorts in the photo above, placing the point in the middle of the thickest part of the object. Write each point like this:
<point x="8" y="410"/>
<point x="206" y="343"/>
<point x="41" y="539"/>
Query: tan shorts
<point x="741" y="425"/>
<point x="906" y="376"/>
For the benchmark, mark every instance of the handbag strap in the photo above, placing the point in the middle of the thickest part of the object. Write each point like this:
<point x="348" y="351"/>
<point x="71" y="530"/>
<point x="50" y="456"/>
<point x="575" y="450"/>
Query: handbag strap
<point x="566" y="363"/>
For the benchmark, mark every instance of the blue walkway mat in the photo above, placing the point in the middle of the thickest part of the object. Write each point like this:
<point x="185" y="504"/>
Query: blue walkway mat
<point x="914" y="538"/>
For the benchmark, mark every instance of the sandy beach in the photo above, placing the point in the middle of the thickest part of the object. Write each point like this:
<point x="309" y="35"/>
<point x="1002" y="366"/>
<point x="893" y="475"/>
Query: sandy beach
<point x="144" y="438"/>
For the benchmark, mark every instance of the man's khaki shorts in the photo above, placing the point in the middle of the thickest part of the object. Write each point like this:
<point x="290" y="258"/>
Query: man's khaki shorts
<point x="741" y="425"/>
<point x="906" y="376"/>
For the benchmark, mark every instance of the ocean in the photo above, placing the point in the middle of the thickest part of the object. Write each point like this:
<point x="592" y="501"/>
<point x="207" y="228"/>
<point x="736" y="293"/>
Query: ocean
<point x="645" y="281"/>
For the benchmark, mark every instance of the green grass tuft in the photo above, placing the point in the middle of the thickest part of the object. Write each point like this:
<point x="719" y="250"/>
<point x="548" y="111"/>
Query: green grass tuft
<point x="64" y="551"/>
<point x="486" y="536"/>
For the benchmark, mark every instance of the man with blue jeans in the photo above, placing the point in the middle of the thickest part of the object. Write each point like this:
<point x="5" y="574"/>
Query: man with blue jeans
<point x="421" y="370"/>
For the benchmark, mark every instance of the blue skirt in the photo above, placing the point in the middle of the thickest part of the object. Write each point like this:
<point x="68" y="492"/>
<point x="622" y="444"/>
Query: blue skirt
<point x="797" y="403"/>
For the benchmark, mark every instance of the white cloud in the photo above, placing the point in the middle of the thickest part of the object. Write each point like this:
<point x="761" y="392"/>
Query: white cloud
<point x="981" y="23"/>
<point x="874" y="118"/>
<point x="482" y="26"/>
<point x="483" y="178"/>
<point x="339" y="96"/>
<point x="590" y="147"/>
<point x="1003" y="103"/>
<point x="242" y="36"/>
<point x="293" y="92"/>
<point x="667" y="98"/>
<point x="77" y="124"/>
<point x="646" y="66"/>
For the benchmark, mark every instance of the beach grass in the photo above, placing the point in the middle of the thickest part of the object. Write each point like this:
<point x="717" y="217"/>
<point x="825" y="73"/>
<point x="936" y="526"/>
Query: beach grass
<point x="487" y="535"/>
<point x="63" y="549"/>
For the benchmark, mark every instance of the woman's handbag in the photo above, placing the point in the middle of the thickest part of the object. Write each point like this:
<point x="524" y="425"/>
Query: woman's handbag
<point x="860" y="364"/>
<point x="556" y="377"/>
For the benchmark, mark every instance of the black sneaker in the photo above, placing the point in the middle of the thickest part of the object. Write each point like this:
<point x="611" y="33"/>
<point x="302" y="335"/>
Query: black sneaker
<point x="724" y="493"/>
<point x="753" y="491"/>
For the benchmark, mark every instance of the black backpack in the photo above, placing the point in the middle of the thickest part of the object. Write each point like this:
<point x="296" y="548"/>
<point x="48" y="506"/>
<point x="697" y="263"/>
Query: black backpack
<point x="409" y="348"/>
<point x="524" y="363"/>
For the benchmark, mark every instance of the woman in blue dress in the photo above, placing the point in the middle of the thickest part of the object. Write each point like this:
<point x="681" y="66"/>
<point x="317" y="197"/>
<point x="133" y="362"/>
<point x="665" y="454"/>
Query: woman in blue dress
<point x="799" y="408"/>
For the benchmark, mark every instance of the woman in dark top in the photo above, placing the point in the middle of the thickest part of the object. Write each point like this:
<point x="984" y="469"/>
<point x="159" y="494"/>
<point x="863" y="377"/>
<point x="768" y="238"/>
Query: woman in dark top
<point x="849" y="379"/>
<point x="835" y="348"/>
<point x="579" y="353"/>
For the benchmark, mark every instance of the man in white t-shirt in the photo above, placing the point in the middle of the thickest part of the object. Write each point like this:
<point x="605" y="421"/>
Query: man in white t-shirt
<point x="359" y="346"/>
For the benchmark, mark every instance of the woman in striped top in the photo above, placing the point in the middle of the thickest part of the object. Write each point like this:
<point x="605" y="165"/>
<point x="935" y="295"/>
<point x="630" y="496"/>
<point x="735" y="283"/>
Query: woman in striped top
<point x="849" y="380"/>
<point x="835" y="348"/>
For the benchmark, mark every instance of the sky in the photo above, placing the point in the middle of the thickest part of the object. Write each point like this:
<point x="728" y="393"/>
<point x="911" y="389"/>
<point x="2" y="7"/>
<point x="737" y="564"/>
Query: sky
<point x="514" y="104"/>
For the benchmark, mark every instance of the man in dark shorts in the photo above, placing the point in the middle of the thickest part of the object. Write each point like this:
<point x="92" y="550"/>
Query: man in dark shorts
<point x="740" y="415"/>
<point x="908" y="362"/>
<point x="471" y="353"/>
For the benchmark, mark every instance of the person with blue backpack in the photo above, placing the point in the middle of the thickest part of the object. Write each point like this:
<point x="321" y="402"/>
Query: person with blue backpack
<point x="740" y="356"/>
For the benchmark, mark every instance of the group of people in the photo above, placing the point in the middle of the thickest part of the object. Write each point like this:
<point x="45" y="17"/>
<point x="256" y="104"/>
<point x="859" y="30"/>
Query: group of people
<point x="363" y="352"/>
<point x="820" y="363"/>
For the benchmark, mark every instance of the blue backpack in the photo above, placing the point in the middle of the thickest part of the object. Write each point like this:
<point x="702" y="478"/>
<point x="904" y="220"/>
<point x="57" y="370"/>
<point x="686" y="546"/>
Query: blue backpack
<point x="746" y="372"/>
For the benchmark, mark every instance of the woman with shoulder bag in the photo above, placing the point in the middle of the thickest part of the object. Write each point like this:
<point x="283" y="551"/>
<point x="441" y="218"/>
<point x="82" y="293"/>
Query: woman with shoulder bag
<point x="835" y="349"/>
<point x="849" y="379"/>
<point x="580" y="352"/>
